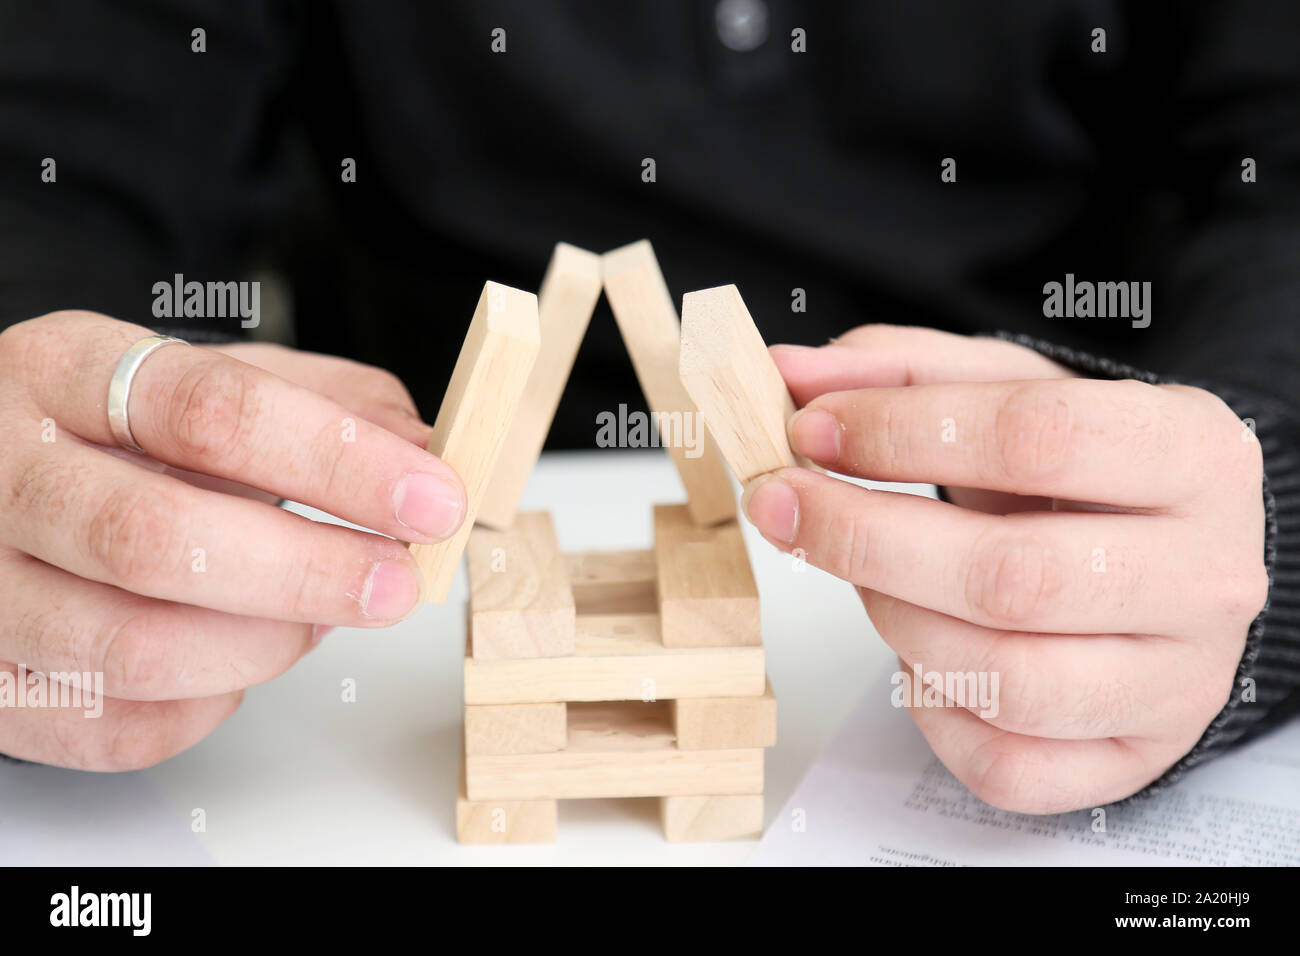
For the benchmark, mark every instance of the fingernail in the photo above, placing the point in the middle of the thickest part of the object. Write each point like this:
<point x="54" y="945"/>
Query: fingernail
<point x="428" y="505"/>
<point x="815" y="434"/>
<point x="390" y="592"/>
<point x="773" y="507"/>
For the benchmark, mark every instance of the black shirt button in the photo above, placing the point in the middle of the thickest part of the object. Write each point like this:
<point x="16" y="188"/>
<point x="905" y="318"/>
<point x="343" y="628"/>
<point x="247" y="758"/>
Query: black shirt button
<point x="742" y="24"/>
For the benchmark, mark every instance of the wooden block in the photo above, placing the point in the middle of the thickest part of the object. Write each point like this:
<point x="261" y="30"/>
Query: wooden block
<point x="707" y="593"/>
<point x="515" y="728"/>
<point x="521" y="604"/>
<point x="615" y="750"/>
<point x="647" y="320"/>
<point x="618" y="657"/>
<point x="504" y="821"/>
<point x="723" y="817"/>
<point x="486" y="384"/>
<point x="613" y="582"/>
<point x="564" y="305"/>
<point x="725" y="723"/>
<point x="726" y="369"/>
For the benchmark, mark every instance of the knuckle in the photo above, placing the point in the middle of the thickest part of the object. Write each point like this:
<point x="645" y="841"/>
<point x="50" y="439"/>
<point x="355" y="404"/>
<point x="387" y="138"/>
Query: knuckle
<point x="142" y="738"/>
<point x="1259" y="586"/>
<point x="1201" y="679"/>
<point x="1100" y="709"/>
<point x="1248" y="461"/>
<point x="1020" y="697"/>
<point x="1001" y="779"/>
<point x="72" y="747"/>
<point x="131" y="536"/>
<point x="327" y="456"/>
<point x="1208" y="688"/>
<point x="287" y="654"/>
<point x="42" y="488"/>
<point x="21" y="335"/>
<point x="1216" y="691"/>
<point x="138" y="656"/>
<point x="1032" y="432"/>
<point x="1243" y="457"/>
<point x="1044" y="702"/>
<point x="881" y="611"/>
<point x="1146" y="423"/>
<point x="1242" y="594"/>
<point x="210" y="413"/>
<point x="46" y="637"/>
<point x="14" y="342"/>
<point x="847" y="550"/>
<point x="301" y="591"/>
<point x="879" y="431"/>
<point x="1226" y="436"/>
<point x="1009" y="580"/>
<point x="1203" y="400"/>
<point x="384" y="383"/>
<point x="379" y="386"/>
<point x="864" y="336"/>
<point x="1020" y="780"/>
<point x="40" y="346"/>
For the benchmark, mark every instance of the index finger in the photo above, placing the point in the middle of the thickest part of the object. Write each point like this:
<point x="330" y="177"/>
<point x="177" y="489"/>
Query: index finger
<point x="873" y="356"/>
<point x="197" y="409"/>
<point x="1074" y="439"/>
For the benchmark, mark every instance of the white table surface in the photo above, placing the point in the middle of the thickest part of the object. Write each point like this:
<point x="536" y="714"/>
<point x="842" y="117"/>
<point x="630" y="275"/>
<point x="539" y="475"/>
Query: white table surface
<point x="298" y="776"/>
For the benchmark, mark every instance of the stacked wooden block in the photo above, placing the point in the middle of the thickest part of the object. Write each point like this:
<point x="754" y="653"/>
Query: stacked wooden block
<point x="614" y="674"/>
<point x="610" y="674"/>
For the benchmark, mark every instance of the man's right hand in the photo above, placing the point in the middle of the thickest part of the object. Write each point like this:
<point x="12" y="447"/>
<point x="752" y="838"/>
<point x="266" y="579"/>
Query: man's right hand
<point x="180" y="594"/>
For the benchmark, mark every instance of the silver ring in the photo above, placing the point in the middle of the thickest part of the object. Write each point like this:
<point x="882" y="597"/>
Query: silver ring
<point x="119" y="389"/>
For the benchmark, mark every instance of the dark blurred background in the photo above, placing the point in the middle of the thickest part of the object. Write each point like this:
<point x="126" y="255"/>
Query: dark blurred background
<point x="775" y="169"/>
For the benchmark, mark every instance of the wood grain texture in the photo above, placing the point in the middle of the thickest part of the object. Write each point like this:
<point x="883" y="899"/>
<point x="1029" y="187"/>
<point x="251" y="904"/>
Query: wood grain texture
<point x="504" y="821"/>
<point x="619" y="726"/>
<point x="707" y="593"/>
<point x="520" y="600"/>
<point x="565" y="303"/>
<point x="727" y="371"/>
<point x="647" y="320"/>
<point x="613" y="582"/>
<point x="477" y="410"/>
<point x="721" y="817"/>
<point x="618" y="657"/>
<point x="516" y="728"/>
<point x="725" y="723"/>
<point x="615" y="750"/>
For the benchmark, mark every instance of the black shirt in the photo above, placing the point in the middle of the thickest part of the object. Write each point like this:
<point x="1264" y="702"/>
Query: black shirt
<point x="776" y="170"/>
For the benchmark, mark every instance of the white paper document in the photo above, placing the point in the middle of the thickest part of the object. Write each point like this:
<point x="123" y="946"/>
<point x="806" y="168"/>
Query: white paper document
<point x="878" y="797"/>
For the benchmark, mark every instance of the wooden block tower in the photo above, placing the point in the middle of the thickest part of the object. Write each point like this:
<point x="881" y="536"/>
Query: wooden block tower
<point x="613" y="673"/>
